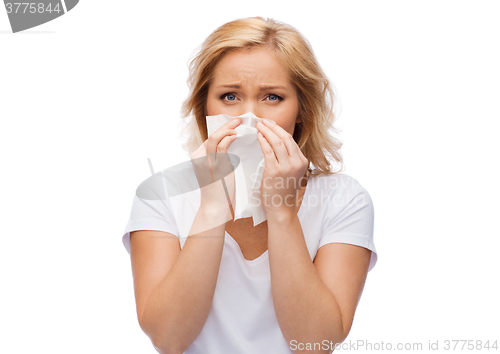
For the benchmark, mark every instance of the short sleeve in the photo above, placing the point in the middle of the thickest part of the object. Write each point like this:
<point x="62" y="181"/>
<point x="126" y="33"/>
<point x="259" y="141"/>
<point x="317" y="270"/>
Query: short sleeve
<point x="150" y="215"/>
<point x="349" y="218"/>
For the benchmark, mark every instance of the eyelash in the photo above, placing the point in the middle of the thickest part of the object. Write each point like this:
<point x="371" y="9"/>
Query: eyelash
<point x="279" y="98"/>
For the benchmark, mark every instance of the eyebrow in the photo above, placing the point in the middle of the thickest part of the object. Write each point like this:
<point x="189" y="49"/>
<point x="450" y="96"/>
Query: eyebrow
<point x="262" y="88"/>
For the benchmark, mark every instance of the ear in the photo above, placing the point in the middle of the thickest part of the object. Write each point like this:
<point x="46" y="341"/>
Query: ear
<point x="298" y="120"/>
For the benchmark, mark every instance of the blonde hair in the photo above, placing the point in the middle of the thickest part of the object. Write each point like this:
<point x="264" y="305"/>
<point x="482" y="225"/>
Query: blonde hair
<point x="316" y="98"/>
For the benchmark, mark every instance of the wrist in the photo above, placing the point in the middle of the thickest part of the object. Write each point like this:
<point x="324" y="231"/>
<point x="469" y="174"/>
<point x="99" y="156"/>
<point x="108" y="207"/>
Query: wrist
<point x="216" y="210"/>
<point x="281" y="215"/>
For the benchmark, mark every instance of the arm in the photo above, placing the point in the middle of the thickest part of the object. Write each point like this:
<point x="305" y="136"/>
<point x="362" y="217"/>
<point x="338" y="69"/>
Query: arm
<point x="174" y="288"/>
<point x="313" y="301"/>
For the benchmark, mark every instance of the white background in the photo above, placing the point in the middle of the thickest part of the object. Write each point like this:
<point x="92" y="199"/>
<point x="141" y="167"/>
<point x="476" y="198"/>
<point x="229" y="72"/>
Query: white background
<point x="87" y="98"/>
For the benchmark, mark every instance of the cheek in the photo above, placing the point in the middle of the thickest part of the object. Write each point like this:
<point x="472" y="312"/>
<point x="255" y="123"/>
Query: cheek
<point x="288" y="124"/>
<point x="285" y="118"/>
<point x="292" y="115"/>
<point x="211" y="108"/>
<point x="215" y="107"/>
<point x="213" y="103"/>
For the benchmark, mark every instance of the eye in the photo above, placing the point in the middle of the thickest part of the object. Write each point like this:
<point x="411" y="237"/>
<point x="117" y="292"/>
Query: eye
<point x="228" y="97"/>
<point x="274" y="98"/>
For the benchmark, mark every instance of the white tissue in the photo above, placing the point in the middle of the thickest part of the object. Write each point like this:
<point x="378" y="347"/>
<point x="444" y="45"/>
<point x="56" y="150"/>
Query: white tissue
<point x="248" y="174"/>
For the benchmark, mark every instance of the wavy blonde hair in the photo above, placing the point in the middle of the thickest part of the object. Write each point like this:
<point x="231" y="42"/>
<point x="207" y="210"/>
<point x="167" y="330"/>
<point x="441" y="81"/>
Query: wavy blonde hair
<point x="316" y="97"/>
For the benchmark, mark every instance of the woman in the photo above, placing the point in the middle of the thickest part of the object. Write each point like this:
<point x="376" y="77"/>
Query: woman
<point x="291" y="283"/>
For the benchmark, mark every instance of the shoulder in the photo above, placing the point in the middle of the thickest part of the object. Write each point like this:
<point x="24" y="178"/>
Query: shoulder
<point x="339" y="199"/>
<point x="346" y="211"/>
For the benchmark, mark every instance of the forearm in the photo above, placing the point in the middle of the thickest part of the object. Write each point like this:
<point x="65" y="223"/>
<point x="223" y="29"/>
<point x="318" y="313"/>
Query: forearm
<point x="177" y="309"/>
<point x="306" y="310"/>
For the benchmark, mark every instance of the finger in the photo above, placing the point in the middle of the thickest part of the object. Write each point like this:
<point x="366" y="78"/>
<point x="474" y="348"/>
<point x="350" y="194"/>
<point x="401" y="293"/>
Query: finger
<point x="219" y="134"/>
<point x="225" y="142"/>
<point x="212" y="146"/>
<point x="233" y="122"/>
<point x="278" y="145"/>
<point x="222" y="155"/>
<point x="267" y="150"/>
<point x="215" y="139"/>
<point x="221" y="164"/>
<point x="285" y="136"/>
<point x="230" y="125"/>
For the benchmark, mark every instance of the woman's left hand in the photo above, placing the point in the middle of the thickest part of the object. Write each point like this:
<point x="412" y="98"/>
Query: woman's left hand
<point x="285" y="167"/>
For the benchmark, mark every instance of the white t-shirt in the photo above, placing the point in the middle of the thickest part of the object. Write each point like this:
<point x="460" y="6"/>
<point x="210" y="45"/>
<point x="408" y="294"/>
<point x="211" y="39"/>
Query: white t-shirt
<point x="335" y="209"/>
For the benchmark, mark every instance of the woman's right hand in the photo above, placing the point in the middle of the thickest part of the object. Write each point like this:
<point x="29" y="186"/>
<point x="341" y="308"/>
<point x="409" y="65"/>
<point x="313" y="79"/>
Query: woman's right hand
<point x="211" y="164"/>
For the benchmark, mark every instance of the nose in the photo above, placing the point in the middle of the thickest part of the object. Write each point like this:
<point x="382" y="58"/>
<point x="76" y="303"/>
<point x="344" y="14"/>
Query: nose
<point x="251" y="107"/>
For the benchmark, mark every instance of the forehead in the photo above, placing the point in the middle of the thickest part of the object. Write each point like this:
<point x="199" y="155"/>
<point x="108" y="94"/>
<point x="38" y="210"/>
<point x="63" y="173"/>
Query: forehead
<point x="257" y="65"/>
